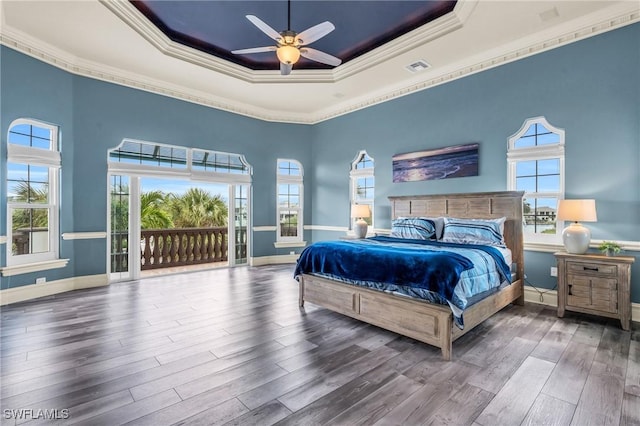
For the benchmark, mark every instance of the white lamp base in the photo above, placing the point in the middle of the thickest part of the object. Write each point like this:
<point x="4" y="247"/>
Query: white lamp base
<point x="360" y="228"/>
<point x="576" y="238"/>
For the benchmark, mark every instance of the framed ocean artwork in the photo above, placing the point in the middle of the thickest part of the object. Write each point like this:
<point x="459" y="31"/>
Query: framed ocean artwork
<point x="440" y="163"/>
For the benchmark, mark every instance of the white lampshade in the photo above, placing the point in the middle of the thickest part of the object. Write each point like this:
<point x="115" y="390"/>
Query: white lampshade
<point x="288" y="54"/>
<point x="577" y="210"/>
<point x="576" y="237"/>
<point x="360" y="210"/>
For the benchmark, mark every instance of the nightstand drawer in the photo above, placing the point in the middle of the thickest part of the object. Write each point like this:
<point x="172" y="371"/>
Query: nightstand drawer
<point x="603" y="269"/>
<point x="592" y="293"/>
<point x="592" y="282"/>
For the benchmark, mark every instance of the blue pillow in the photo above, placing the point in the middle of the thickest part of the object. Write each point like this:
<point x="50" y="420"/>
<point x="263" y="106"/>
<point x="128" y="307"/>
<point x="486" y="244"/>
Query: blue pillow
<point x="415" y="228"/>
<point x="488" y="232"/>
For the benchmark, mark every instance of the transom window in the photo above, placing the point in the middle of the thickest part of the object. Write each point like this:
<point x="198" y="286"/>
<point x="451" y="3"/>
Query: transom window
<point x="218" y="162"/>
<point x="536" y="166"/>
<point x="33" y="163"/>
<point x="363" y="183"/>
<point x="149" y="154"/>
<point x="148" y="158"/>
<point x="33" y="135"/>
<point x="290" y="197"/>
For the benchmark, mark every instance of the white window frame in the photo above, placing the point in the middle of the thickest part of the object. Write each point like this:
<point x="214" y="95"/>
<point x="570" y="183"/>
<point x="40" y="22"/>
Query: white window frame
<point x="354" y="175"/>
<point x="135" y="171"/>
<point x="540" y="152"/>
<point x="187" y="173"/>
<point x="282" y="179"/>
<point x="51" y="159"/>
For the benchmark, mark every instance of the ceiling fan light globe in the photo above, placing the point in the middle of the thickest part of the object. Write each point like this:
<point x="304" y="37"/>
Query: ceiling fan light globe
<point x="288" y="54"/>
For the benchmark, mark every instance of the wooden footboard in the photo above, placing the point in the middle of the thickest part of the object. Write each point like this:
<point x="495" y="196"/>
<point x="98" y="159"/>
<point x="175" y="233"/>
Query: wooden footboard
<point x="428" y="323"/>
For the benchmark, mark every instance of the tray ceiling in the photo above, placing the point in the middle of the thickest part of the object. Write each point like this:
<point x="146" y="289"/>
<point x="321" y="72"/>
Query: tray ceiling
<point x="112" y="40"/>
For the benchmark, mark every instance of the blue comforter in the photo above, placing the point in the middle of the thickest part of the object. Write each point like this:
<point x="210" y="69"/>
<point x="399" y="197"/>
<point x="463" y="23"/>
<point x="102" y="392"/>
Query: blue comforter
<point x="414" y="267"/>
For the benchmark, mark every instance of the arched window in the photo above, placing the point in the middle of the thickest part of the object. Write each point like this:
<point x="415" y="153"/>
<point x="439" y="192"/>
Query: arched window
<point x="290" y="201"/>
<point x="535" y="160"/>
<point x="362" y="184"/>
<point x="33" y="167"/>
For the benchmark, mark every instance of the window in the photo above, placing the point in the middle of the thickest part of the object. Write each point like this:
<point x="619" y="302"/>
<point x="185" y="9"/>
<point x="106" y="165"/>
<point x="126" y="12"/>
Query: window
<point x="148" y="154"/>
<point x="363" y="183"/>
<point x="33" y="164"/>
<point x="536" y="166"/>
<point x="149" y="158"/>
<point x="219" y="162"/>
<point x="290" y="194"/>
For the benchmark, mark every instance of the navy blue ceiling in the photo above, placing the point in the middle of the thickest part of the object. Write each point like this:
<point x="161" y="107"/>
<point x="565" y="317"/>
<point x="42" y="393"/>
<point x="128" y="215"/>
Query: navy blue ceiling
<point x="218" y="27"/>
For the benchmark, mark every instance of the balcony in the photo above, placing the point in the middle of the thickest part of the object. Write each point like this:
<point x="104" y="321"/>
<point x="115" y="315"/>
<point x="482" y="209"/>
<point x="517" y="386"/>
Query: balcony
<point x="177" y="249"/>
<point x="167" y="248"/>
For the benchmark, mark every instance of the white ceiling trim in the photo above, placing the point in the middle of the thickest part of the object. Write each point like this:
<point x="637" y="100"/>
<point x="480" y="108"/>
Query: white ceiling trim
<point x="44" y="52"/>
<point x="418" y="37"/>
<point x="437" y="28"/>
<point x="140" y="24"/>
<point x="513" y="52"/>
<point x="627" y="13"/>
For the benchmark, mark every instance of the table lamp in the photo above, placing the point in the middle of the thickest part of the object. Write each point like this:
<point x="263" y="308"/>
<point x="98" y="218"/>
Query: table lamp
<point x="576" y="237"/>
<point x="360" y="211"/>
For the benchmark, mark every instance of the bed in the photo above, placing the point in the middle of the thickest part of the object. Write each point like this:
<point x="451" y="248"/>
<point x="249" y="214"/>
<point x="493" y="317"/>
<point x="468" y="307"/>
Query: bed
<point x="430" y="321"/>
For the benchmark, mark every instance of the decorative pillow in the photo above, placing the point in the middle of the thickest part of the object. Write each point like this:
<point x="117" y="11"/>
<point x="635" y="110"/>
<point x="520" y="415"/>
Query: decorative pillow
<point x="416" y="228"/>
<point x="439" y="223"/>
<point x="474" y="231"/>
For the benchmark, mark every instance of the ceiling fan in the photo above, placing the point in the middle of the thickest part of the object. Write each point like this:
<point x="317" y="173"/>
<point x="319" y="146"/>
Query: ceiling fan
<point x="291" y="45"/>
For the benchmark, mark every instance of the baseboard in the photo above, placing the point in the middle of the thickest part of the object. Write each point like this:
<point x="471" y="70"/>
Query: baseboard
<point x="273" y="260"/>
<point x="550" y="298"/>
<point x="34" y="291"/>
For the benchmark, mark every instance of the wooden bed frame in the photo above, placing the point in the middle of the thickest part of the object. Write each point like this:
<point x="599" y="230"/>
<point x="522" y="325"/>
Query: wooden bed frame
<point x="429" y="323"/>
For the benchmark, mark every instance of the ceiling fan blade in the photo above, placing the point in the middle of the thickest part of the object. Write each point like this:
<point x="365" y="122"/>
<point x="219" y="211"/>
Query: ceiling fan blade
<point x="314" y="33"/>
<point x="318" y="56"/>
<point x="285" y="69"/>
<point x="254" y="50"/>
<point x="264" y="27"/>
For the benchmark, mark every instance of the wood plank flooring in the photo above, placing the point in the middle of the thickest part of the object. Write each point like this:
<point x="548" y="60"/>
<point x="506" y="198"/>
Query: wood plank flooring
<point x="231" y="346"/>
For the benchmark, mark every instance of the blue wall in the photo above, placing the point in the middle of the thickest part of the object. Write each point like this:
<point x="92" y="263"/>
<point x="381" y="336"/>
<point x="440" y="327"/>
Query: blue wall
<point x="590" y="88"/>
<point x="95" y="116"/>
<point x="31" y="89"/>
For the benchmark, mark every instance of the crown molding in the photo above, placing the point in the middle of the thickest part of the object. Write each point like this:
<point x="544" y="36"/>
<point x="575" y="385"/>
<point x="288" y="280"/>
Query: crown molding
<point x="623" y="14"/>
<point x="517" y="50"/>
<point x="23" y="43"/>
<point x="138" y="22"/>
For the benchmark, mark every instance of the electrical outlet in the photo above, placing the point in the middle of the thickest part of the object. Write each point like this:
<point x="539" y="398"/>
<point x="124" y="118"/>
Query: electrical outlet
<point x="292" y="252"/>
<point x="41" y="280"/>
<point x="554" y="271"/>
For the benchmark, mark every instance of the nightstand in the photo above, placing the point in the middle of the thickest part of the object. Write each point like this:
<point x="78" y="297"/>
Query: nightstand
<point x="594" y="284"/>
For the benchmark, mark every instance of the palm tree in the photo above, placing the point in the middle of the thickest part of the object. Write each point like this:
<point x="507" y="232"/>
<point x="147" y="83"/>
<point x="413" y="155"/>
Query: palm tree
<point x="154" y="211"/>
<point x="198" y="208"/>
<point x="35" y="217"/>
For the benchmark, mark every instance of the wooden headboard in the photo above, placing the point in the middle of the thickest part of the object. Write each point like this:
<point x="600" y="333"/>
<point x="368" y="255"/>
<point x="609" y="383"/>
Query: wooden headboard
<point x="474" y="205"/>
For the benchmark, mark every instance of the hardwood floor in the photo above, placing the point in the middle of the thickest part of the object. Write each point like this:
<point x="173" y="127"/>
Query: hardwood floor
<point x="231" y="346"/>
